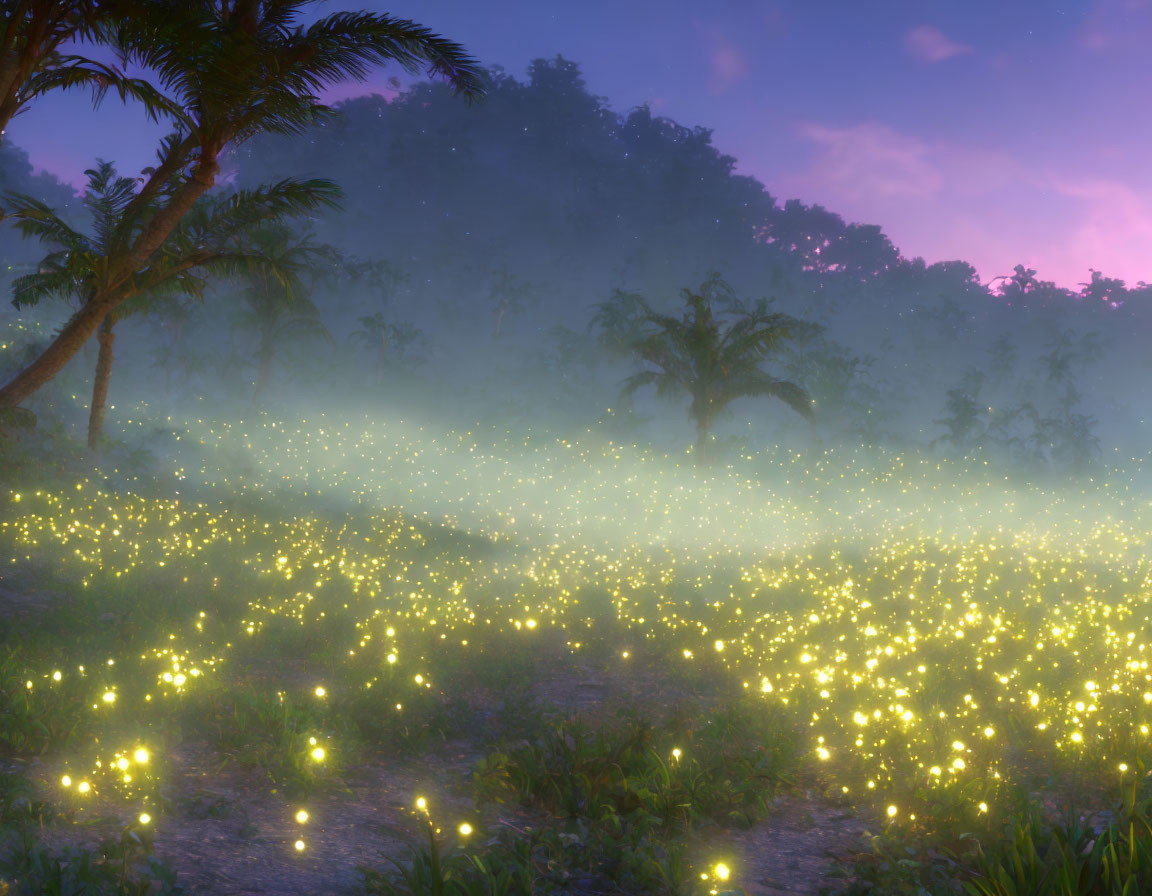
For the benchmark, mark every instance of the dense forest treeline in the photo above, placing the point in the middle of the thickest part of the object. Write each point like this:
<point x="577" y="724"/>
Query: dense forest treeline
<point x="479" y="240"/>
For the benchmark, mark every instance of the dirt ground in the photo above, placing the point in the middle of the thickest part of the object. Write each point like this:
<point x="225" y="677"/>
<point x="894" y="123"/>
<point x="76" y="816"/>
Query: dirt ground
<point x="226" y="832"/>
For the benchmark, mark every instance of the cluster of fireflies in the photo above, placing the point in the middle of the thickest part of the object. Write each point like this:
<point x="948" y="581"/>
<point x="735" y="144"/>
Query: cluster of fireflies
<point x="922" y="616"/>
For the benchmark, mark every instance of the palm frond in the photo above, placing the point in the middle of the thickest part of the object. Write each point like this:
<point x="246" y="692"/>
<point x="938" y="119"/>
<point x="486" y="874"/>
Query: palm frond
<point x="69" y="72"/>
<point x="762" y="384"/>
<point x="31" y="289"/>
<point x="35" y="219"/>
<point x="666" y="385"/>
<point x="350" y="43"/>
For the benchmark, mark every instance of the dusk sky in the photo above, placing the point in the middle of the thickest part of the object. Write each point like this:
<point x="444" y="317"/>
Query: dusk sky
<point x="990" y="132"/>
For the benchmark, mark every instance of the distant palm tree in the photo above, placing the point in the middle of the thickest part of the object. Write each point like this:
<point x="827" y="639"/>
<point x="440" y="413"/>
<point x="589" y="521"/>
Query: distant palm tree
<point x="232" y="69"/>
<point x="711" y="362"/>
<point x="390" y="343"/>
<point x="212" y="239"/>
<point x="276" y="303"/>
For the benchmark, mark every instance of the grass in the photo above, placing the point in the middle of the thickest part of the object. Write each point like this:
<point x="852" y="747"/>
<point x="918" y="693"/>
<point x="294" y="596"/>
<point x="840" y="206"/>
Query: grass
<point x="479" y="627"/>
<point x="721" y="767"/>
<point x="615" y="853"/>
<point x="118" y="867"/>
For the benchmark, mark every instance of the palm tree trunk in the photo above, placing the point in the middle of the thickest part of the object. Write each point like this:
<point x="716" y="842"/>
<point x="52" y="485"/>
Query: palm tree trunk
<point x="264" y="374"/>
<point x="100" y="383"/>
<point x="59" y="352"/>
<point x="703" y="428"/>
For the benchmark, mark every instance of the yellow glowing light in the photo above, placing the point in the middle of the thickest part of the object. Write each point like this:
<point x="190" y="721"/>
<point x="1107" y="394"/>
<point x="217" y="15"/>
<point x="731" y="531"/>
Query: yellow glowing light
<point x="1077" y="737"/>
<point x="141" y="755"/>
<point x="983" y="807"/>
<point x="122" y="763"/>
<point x="145" y="818"/>
<point x="66" y="781"/>
<point x="320" y="692"/>
<point x="892" y="811"/>
<point x="421" y="804"/>
<point x="299" y="846"/>
<point x="56" y="676"/>
<point x="83" y="786"/>
<point x="318" y="754"/>
<point x="301" y="816"/>
<point x="465" y="829"/>
<point x="989" y="731"/>
<point x="721" y="871"/>
<point x="719" y="645"/>
<point x="109" y="697"/>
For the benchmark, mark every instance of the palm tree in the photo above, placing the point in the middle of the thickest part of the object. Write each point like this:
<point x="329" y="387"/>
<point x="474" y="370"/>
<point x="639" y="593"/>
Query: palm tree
<point x="508" y="295"/>
<point x="231" y="69"/>
<point x="713" y="363"/>
<point x="390" y="344"/>
<point x="31" y="64"/>
<point x="212" y="239"/>
<point x="276" y="302"/>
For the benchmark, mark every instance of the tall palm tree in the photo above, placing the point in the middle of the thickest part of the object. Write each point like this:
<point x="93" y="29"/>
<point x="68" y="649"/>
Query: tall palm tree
<point x="711" y="361"/>
<point x="213" y="239"/>
<point x="232" y="69"/>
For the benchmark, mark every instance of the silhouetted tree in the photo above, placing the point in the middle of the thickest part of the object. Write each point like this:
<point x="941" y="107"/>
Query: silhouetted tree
<point x="965" y="415"/>
<point x="390" y="344"/>
<point x="276" y="301"/>
<point x="714" y="362"/>
<point x="508" y="295"/>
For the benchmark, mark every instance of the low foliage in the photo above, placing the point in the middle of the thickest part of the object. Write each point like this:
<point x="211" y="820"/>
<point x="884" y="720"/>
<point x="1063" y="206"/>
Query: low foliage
<point x="123" y="867"/>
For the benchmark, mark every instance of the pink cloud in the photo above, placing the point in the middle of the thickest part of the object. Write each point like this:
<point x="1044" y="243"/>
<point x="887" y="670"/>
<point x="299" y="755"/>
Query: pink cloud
<point x="929" y="44"/>
<point x="1116" y="24"/>
<point x="945" y="200"/>
<point x="871" y="160"/>
<point x="727" y="63"/>
<point x="1113" y="232"/>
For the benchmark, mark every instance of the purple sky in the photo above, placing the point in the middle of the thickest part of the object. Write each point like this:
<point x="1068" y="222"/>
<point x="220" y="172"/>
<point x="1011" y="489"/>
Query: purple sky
<point x="996" y="132"/>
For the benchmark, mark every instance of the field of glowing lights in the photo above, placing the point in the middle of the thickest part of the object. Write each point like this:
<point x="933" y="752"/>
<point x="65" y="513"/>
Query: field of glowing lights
<point x="949" y="644"/>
